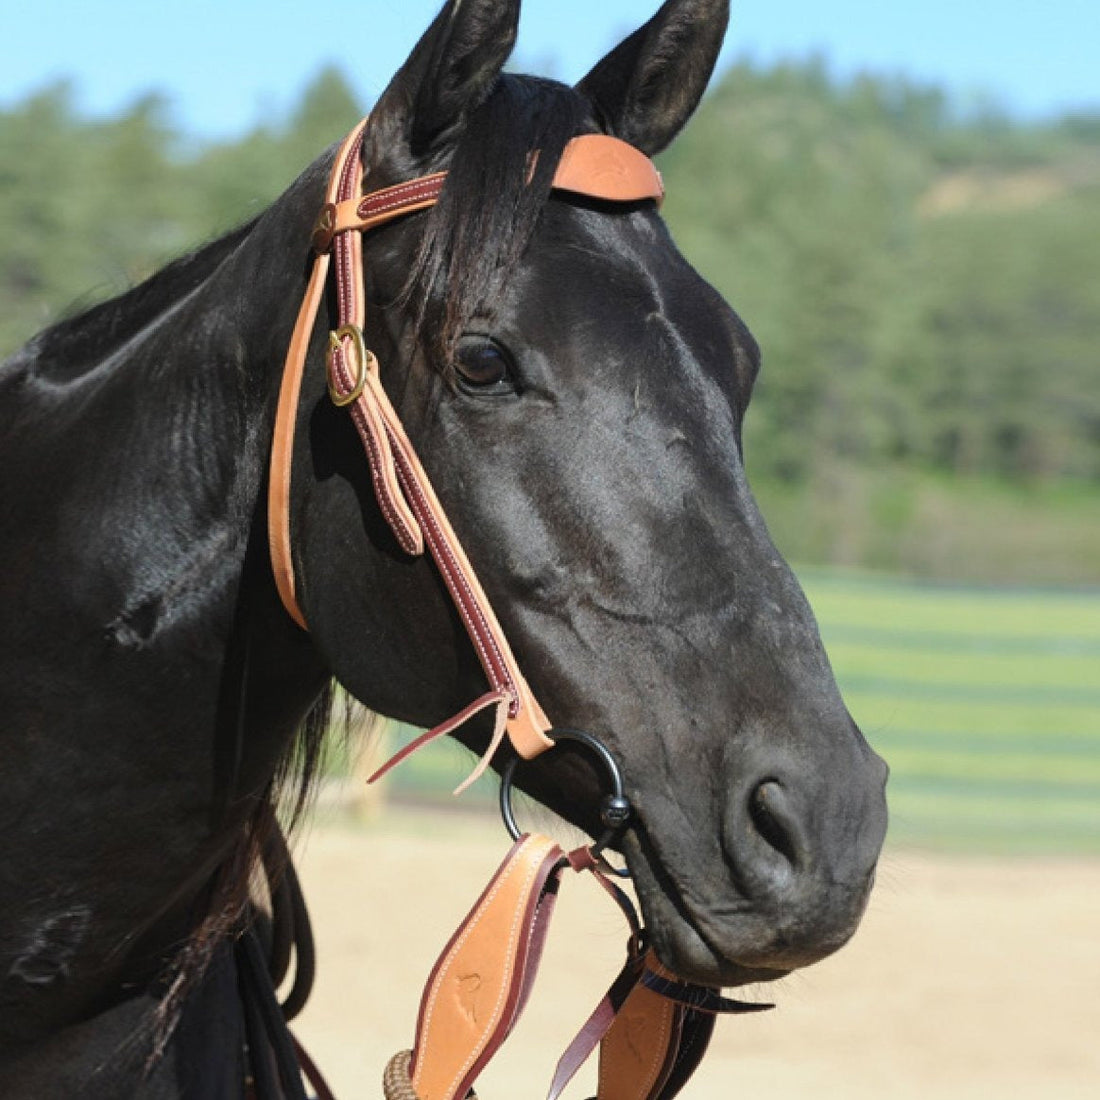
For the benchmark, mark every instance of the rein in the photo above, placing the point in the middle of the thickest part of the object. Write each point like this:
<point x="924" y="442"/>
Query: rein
<point x="652" y="1029"/>
<point x="592" y="165"/>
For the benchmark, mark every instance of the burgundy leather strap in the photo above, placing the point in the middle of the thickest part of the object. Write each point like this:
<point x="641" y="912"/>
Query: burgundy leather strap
<point x="596" y="1027"/>
<point x="377" y="208"/>
<point x="405" y="493"/>
<point x="648" y="1038"/>
<point x="489" y="699"/>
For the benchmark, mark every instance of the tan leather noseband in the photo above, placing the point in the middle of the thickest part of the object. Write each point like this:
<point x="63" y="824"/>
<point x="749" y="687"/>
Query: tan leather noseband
<point x="592" y="165"/>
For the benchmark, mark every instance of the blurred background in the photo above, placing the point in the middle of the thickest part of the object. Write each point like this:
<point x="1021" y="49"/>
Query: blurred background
<point x="904" y="205"/>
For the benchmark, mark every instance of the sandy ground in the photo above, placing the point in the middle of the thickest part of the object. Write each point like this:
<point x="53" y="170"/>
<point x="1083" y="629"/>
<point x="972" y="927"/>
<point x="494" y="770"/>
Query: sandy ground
<point x="969" y="978"/>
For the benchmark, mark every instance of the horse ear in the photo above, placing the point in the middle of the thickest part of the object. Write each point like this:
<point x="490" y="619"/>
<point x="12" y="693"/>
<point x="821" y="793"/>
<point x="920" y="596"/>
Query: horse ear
<point x="450" y="72"/>
<point x="649" y="85"/>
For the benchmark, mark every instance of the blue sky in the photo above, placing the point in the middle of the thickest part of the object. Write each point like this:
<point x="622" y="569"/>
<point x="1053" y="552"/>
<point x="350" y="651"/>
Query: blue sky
<point x="226" y="65"/>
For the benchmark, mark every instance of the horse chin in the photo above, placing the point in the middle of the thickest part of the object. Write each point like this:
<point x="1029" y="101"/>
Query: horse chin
<point x="679" y="941"/>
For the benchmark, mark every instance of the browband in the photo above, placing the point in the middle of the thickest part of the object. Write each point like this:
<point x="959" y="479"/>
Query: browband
<point x="593" y="165"/>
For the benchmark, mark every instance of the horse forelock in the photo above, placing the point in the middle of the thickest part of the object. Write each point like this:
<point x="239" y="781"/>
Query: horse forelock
<point x="489" y="208"/>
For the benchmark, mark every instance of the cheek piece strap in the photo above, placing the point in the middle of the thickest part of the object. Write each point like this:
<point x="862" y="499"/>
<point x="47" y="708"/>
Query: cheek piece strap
<point x="592" y="165"/>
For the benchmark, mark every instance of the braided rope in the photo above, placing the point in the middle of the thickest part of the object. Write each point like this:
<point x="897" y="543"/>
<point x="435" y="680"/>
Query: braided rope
<point x="396" y="1083"/>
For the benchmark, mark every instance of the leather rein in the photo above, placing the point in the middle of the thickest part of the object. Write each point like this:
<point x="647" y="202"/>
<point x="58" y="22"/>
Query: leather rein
<point x="592" y="165"/>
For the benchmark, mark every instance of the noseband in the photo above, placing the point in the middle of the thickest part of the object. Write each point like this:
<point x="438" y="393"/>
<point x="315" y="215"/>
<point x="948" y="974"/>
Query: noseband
<point x="592" y="165"/>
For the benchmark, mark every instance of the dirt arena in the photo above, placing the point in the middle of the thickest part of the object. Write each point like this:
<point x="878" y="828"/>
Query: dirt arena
<point x="969" y="978"/>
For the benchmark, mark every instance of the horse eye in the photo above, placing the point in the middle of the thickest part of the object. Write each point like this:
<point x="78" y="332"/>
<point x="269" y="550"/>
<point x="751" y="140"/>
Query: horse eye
<point x="484" y="368"/>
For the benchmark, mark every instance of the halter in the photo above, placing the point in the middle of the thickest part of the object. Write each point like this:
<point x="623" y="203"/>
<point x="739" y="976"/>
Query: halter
<point x="593" y="165"/>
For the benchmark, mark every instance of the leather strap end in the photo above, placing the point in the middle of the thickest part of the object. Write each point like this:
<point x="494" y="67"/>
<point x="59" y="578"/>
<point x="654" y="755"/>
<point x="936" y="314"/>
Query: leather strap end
<point x="490" y="698"/>
<point x="699" y="998"/>
<point x="494" y="744"/>
<point x="528" y="728"/>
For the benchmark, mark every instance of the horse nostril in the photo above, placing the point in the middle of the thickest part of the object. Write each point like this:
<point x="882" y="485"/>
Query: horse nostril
<point x="772" y="816"/>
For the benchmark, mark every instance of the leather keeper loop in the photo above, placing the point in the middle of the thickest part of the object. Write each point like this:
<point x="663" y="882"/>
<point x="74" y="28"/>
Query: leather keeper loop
<point x="325" y="229"/>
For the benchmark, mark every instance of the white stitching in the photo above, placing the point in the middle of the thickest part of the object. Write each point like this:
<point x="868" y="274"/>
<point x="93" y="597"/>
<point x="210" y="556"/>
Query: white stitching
<point x="379" y="202"/>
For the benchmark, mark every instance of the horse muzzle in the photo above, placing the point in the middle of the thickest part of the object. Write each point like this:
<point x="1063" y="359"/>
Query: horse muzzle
<point x="783" y="885"/>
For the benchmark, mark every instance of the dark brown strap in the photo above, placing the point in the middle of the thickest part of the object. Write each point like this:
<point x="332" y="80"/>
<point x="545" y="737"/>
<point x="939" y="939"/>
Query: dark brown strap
<point x="700" y="997"/>
<point x="312" y="1074"/>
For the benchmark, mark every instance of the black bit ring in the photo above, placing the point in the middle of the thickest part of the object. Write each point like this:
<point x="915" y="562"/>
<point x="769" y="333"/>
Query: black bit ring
<point x="615" y="808"/>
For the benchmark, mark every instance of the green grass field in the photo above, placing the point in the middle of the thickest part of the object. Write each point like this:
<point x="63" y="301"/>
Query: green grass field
<point x="985" y="702"/>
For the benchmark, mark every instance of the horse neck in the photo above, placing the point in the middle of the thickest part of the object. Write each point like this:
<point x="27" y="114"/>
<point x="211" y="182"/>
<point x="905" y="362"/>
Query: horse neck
<point x="149" y="680"/>
<point x="249" y="305"/>
<point x="246" y="310"/>
<point x="172" y="430"/>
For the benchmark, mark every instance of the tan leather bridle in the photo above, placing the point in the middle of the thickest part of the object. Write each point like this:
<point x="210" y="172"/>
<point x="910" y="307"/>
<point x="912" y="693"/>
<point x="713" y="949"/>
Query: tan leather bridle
<point x="592" y="165"/>
<point x="499" y="944"/>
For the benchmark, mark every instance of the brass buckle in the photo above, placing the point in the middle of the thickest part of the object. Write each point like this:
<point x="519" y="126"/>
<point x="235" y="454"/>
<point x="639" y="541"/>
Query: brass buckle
<point x="363" y="359"/>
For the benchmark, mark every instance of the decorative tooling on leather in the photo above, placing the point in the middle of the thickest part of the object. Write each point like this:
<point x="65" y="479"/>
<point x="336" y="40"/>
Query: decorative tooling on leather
<point x="469" y="985"/>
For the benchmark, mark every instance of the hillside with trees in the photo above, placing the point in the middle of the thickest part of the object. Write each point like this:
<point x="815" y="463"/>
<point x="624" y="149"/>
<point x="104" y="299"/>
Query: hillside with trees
<point x="925" y="285"/>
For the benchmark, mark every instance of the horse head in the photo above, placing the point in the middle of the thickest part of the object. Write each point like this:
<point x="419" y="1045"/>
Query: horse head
<point x="576" y="392"/>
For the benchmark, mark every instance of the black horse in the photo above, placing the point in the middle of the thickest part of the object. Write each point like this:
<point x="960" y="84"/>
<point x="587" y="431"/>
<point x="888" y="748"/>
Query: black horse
<point x="576" y="392"/>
